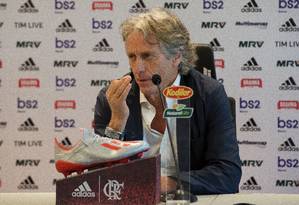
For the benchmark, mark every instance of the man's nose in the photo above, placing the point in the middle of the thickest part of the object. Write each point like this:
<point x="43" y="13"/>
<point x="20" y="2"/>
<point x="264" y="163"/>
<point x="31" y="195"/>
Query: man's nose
<point x="140" y="65"/>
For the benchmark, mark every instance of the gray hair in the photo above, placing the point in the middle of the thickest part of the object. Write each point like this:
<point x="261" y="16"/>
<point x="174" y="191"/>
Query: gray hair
<point x="168" y="29"/>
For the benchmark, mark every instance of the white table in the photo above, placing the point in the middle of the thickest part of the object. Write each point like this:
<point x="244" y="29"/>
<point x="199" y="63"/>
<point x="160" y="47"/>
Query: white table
<point x="225" y="199"/>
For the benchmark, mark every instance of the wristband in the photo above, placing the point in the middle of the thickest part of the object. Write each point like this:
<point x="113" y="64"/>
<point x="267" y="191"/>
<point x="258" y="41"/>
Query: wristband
<point x="111" y="133"/>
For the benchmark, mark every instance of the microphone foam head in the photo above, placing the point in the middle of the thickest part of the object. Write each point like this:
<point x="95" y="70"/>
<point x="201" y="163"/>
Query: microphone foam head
<point x="156" y="79"/>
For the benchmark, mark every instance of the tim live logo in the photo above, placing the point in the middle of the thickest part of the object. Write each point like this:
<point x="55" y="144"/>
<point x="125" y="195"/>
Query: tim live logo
<point x="251" y="82"/>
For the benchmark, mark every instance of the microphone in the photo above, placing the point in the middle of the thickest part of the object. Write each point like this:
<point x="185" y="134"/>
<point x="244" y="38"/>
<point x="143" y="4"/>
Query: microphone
<point x="180" y="193"/>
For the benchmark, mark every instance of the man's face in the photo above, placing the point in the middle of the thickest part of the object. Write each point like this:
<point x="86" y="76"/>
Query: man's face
<point x="146" y="59"/>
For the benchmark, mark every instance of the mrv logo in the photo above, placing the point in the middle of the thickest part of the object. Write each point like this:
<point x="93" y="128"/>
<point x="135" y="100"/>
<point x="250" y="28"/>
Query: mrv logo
<point x="139" y="7"/>
<point x="251" y="184"/>
<point x="251" y="44"/>
<point x="249" y="104"/>
<point x="98" y="83"/>
<point x="212" y="5"/>
<point x="289" y="84"/>
<point x="28" y="44"/>
<point x="65" y="63"/>
<point x="288" y="4"/>
<point x="65" y="43"/>
<point x="98" y="25"/>
<point x="287" y="124"/>
<point x="63" y="5"/>
<point x="287" y="163"/>
<point x="288" y="146"/>
<point x="64" y="123"/>
<point x="27" y="162"/>
<point x="289" y="26"/>
<point x="213" y="24"/>
<point x="287" y="63"/>
<point x="287" y="183"/>
<point x="62" y="83"/>
<point x="252" y="163"/>
<point x="26" y="104"/>
<point x="250" y="126"/>
<point x="176" y="5"/>
<point x="252" y="7"/>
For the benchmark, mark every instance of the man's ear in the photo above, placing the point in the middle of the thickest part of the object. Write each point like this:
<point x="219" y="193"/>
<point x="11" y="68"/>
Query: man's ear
<point x="177" y="59"/>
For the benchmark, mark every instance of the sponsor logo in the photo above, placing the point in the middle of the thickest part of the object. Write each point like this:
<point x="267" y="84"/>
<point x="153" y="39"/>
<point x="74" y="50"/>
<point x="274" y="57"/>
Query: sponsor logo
<point x="287" y="124"/>
<point x="219" y="63"/>
<point x="213" y="24"/>
<point x="176" y="5"/>
<point x="287" y="63"/>
<point x="66" y="142"/>
<point x="63" y="123"/>
<point x="288" y="104"/>
<point x="3" y="124"/>
<point x="29" y="25"/>
<point x="62" y="83"/>
<point x="258" y="143"/>
<point x="261" y="25"/>
<point x="64" y="5"/>
<point x="251" y="184"/>
<point x="28" y="44"/>
<point x="251" y="44"/>
<point x="286" y="44"/>
<point x="285" y="5"/>
<point x="26" y="104"/>
<point x="289" y="26"/>
<point x="251" y="7"/>
<point x="27" y="7"/>
<point x="251" y="65"/>
<point x="289" y="84"/>
<point x="3" y="6"/>
<point x="97" y="83"/>
<point x="83" y="191"/>
<point x="28" y="143"/>
<point x="66" y="27"/>
<point x="283" y="164"/>
<point x="65" y="63"/>
<point x="113" y="64"/>
<point x="251" y="82"/>
<point x="209" y="5"/>
<point x="64" y="44"/>
<point x="27" y="162"/>
<point x="64" y="104"/>
<point x="178" y="111"/>
<point x="178" y="92"/>
<point x="102" y="5"/>
<point x="29" y="82"/>
<point x="98" y="25"/>
<point x="288" y="146"/>
<point x="29" y="65"/>
<point x="112" y="189"/>
<point x="28" y="183"/>
<point x="216" y="45"/>
<point x="246" y="105"/>
<point x="102" y="46"/>
<point x="252" y="163"/>
<point x="287" y="183"/>
<point x="250" y="126"/>
<point x="28" y="125"/>
<point x="138" y="7"/>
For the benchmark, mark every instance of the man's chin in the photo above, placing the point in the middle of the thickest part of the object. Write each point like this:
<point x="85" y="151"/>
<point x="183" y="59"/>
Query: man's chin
<point x="147" y="91"/>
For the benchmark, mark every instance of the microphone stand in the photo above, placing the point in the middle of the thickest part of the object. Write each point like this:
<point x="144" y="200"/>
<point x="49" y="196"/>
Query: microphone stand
<point x="180" y="194"/>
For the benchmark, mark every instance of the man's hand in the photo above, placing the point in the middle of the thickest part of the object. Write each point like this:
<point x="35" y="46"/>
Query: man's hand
<point x="167" y="184"/>
<point x="116" y="95"/>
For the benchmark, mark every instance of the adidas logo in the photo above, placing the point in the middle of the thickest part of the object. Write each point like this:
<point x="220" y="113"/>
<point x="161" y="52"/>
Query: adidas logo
<point x="66" y="26"/>
<point x="288" y="146"/>
<point x="28" y="125"/>
<point x="103" y="45"/>
<point x="216" y="45"/>
<point x="289" y="26"/>
<point x="29" y="65"/>
<point x="66" y="142"/>
<point x="251" y="184"/>
<point x="27" y="7"/>
<point x="289" y="84"/>
<point x="251" y="6"/>
<point x="251" y="65"/>
<point x="250" y="126"/>
<point x="28" y="184"/>
<point x="139" y="7"/>
<point x="83" y="190"/>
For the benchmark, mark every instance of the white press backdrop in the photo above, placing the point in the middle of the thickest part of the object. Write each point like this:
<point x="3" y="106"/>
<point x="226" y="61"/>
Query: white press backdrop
<point x="50" y="74"/>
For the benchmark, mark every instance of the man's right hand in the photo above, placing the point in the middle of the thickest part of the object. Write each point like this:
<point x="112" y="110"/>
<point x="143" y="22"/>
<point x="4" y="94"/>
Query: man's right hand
<point x="116" y="95"/>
